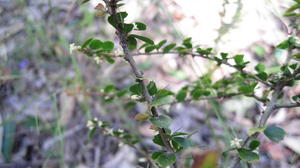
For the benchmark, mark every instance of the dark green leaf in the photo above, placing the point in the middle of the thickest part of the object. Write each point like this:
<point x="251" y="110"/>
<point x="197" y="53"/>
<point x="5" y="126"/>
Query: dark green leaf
<point x="163" y="93"/>
<point x="246" y="89"/>
<point x="262" y="75"/>
<point x="109" y="88"/>
<point x="204" y="51"/>
<point x="197" y="93"/>
<point x="166" y="159"/>
<point x="283" y="45"/>
<point x="108" y="46"/>
<point x="181" y="95"/>
<point x="239" y="59"/>
<point x="128" y="27"/>
<point x="260" y="67"/>
<point x="169" y="47"/>
<point x="157" y="140"/>
<point x="274" y="133"/>
<point x="162" y="121"/>
<point x="86" y="43"/>
<point x="162" y="101"/>
<point x="120" y="16"/>
<point x="183" y="142"/>
<point x="140" y="26"/>
<point x="109" y="59"/>
<point x="160" y="44"/>
<point x="248" y="155"/>
<point x="84" y="1"/>
<point x="187" y="42"/>
<point x="152" y="88"/>
<point x="143" y="38"/>
<point x="224" y="55"/>
<point x="132" y="43"/>
<point x="254" y="144"/>
<point x="136" y="89"/>
<point x="95" y="44"/>
<point x="150" y="48"/>
<point x="156" y="154"/>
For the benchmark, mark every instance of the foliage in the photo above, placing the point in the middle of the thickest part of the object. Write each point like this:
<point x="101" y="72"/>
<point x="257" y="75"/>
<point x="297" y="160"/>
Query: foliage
<point x="240" y="82"/>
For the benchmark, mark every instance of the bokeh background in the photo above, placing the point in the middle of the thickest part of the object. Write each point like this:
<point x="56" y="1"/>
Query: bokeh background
<point x="44" y="97"/>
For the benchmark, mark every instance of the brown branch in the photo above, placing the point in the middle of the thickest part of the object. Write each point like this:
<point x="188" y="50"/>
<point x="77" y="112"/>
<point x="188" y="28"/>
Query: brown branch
<point x="122" y="35"/>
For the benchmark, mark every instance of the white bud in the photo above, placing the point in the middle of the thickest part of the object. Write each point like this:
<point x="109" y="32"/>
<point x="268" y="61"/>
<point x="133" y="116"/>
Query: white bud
<point x="236" y="142"/>
<point x="73" y="47"/>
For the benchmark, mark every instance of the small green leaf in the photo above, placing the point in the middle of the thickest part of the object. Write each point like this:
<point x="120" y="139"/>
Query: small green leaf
<point x="140" y="26"/>
<point x="260" y="67"/>
<point x="246" y="89"/>
<point x="181" y="95"/>
<point x="160" y="44"/>
<point x="128" y="27"/>
<point x="197" y="93"/>
<point x="262" y="75"/>
<point x="248" y="155"/>
<point x="163" y="93"/>
<point x="132" y="43"/>
<point x="162" y="121"/>
<point x="109" y="88"/>
<point x="109" y="59"/>
<point x="169" y="48"/>
<point x="187" y="42"/>
<point x="274" y="133"/>
<point x="166" y="159"/>
<point x="143" y="38"/>
<point x="87" y="42"/>
<point x="283" y="45"/>
<point x="150" y="48"/>
<point x="120" y="16"/>
<point x="152" y="88"/>
<point x="183" y="142"/>
<point x="179" y="134"/>
<point x="204" y="51"/>
<point x="157" y="140"/>
<point x="95" y="44"/>
<point x="108" y="46"/>
<point x="92" y="133"/>
<point x="254" y="144"/>
<point x="162" y="101"/>
<point x="136" y="89"/>
<point x="156" y="154"/>
<point x="224" y="55"/>
<point x="239" y="59"/>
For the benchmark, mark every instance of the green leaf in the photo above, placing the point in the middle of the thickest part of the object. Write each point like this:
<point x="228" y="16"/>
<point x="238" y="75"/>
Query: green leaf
<point x="136" y="89"/>
<point x="248" y="155"/>
<point x="160" y="44"/>
<point x="224" y="55"/>
<point x="108" y="46"/>
<point x="152" y="88"/>
<point x="163" y="93"/>
<point x="140" y="26"/>
<point x="156" y="154"/>
<point x="95" y="44"/>
<point x="132" y="43"/>
<point x="162" y="101"/>
<point x="150" y="48"/>
<point x="162" y="121"/>
<point x="187" y="42"/>
<point x="92" y="133"/>
<point x="239" y="59"/>
<point x="283" y="45"/>
<point x="169" y="48"/>
<point x="157" y="140"/>
<point x="246" y="89"/>
<point x="296" y="97"/>
<point x="274" y="133"/>
<point x="183" y="142"/>
<point x="109" y="88"/>
<point x="262" y="75"/>
<point x="179" y="134"/>
<point x="166" y="159"/>
<point x="128" y="27"/>
<point x="181" y="95"/>
<point x="254" y="144"/>
<point x="87" y="42"/>
<point x="120" y="16"/>
<point x="198" y="92"/>
<point x="260" y="67"/>
<point x="204" y="51"/>
<point x="143" y="38"/>
<point x="109" y="59"/>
